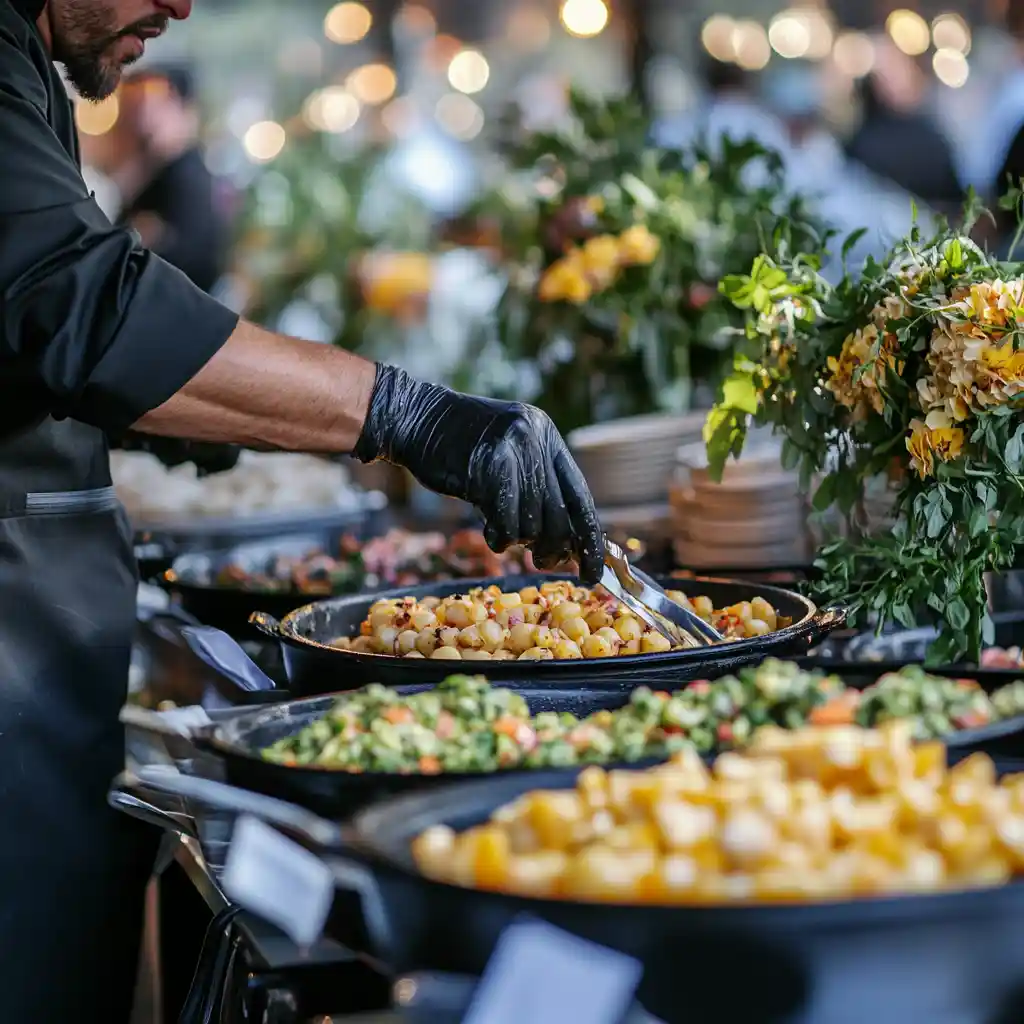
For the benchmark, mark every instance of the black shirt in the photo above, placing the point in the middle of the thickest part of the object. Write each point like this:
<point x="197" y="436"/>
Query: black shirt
<point x="91" y="326"/>
<point x="182" y="194"/>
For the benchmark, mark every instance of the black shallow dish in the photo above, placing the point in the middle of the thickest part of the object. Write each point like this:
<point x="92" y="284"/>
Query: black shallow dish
<point x="886" y="653"/>
<point x="314" y="667"/>
<point x="339" y="794"/>
<point x="951" y="958"/>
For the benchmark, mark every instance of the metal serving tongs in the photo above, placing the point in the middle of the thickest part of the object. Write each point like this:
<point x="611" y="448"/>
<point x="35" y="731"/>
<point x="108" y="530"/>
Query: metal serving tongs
<point x="649" y="602"/>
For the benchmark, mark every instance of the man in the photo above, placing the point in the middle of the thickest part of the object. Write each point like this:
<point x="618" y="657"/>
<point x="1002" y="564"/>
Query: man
<point x="175" y="211"/>
<point x="99" y="335"/>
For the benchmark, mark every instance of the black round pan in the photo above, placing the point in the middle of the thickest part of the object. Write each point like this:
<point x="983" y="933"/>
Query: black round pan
<point x="340" y="794"/>
<point x="952" y="958"/>
<point x="314" y="666"/>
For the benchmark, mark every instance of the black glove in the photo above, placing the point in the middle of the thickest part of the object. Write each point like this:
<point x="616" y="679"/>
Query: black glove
<point x="505" y="458"/>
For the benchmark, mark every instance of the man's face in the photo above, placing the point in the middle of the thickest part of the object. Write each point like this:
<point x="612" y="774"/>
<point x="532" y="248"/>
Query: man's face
<point x="96" y="39"/>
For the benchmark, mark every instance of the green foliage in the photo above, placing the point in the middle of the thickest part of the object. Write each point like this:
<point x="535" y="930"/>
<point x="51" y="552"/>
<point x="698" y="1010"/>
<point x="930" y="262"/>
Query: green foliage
<point x="960" y="511"/>
<point x="640" y="344"/>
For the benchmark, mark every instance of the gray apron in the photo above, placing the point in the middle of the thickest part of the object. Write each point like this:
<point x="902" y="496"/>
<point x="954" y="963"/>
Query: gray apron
<point x="72" y="871"/>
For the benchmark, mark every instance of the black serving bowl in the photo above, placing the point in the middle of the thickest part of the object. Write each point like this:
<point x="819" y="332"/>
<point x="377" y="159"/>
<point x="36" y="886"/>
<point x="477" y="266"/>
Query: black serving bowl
<point x="315" y="667"/>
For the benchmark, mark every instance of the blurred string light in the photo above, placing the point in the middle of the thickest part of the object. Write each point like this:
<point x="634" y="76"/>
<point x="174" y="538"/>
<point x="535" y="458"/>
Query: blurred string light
<point x="469" y="71"/>
<point x="264" y="141"/>
<point x="97" y="118"/>
<point x="333" y="109"/>
<point x="909" y="31"/>
<point x="801" y="32"/>
<point x="950" y="67"/>
<point x="854" y="54"/>
<point x="527" y="28"/>
<point x="442" y="50"/>
<point x="950" y="32"/>
<point x="584" y="18"/>
<point x="717" y="37"/>
<point x="372" y="84"/>
<point x="459" y="116"/>
<point x="347" y="23"/>
<point x="751" y="49"/>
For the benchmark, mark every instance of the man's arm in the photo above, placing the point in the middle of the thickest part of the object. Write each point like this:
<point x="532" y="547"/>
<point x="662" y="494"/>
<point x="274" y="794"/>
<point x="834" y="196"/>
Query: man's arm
<point x="264" y="390"/>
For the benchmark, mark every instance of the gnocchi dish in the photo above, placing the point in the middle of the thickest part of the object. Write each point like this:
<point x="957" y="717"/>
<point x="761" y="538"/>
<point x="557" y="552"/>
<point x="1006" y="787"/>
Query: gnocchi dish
<point x="557" y="620"/>
<point x="816" y="814"/>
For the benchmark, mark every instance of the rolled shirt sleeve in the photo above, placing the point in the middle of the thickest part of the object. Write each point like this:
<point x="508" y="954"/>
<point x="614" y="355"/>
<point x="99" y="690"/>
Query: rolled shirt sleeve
<point x="111" y="330"/>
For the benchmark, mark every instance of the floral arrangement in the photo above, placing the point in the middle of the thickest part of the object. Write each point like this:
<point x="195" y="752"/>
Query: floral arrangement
<point x="912" y="370"/>
<point x="611" y="249"/>
<point x="304" y="237"/>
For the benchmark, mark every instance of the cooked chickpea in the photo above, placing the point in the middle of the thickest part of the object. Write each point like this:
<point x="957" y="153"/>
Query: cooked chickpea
<point x="470" y="638"/>
<point x="534" y="613"/>
<point x="386" y="639"/>
<point x="427" y="642"/>
<point x="520" y="638"/>
<point x="566" y="649"/>
<point x="458" y="615"/>
<point x="559" y="617"/>
<point x="575" y="629"/>
<point x="544" y="637"/>
<point x="468" y="654"/>
<point x="492" y="634"/>
<point x="596" y="646"/>
<point x="628" y="628"/>
<point x="762" y="610"/>
<point x="654" y="643"/>
<point x="406" y="641"/>
<point x="537" y="654"/>
<point x="447" y="654"/>
<point x="448" y="637"/>
<point x="414" y="654"/>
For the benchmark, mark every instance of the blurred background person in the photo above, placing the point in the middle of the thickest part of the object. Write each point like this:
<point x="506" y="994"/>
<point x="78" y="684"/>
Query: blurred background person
<point x="897" y="140"/>
<point x="169" y="195"/>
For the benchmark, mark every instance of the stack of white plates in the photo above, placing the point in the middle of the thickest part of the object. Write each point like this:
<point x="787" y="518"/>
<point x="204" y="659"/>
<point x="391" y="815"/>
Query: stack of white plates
<point x="630" y="461"/>
<point x="756" y="517"/>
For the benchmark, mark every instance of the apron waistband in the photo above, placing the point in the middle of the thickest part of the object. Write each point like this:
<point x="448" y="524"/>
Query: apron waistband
<point x="59" y="503"/>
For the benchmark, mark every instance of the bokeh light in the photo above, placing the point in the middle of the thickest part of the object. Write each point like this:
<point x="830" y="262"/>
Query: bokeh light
<point x="416" y="19"/>
<point x="459" y="116"/>
<point x="333" y="109"/>
<point x="789" y="35"/>
<point x="909" y="31"/>
<point x="469" y="71"/>
<point x="854" y="54"/>
<point x="97" y="118"/>
<point x="950" y="32"/>
<point x="717" y="37"/>
<point x="372" y="84"/>
<point x="750" y="45"/>
<point x="528" y="28"/>
<point x="951" y="68"/>
<point x="584" y="18"/>
<point x="347" y="23"/>
<point x="264" y="141"/>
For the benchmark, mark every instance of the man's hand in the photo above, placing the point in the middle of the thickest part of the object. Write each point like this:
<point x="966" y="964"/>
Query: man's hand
<point x="505" y="458"/>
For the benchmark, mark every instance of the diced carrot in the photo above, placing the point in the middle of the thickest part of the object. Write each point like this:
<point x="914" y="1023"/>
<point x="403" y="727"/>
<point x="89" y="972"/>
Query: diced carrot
<point x="840" y="711"/>
<point x="700" y="686"/>
<point x="430" y="766"/>
<point x="662" y="695"/>
<point x="725" y="733"/>
<point x="507" y="726"/>
<point x="445" y="725"/>
<point x="398" y="715"/>
<point x="971" y="720"/>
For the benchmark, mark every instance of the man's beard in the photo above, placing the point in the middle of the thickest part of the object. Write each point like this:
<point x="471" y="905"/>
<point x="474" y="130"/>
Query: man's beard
<point x="84" y="33"/>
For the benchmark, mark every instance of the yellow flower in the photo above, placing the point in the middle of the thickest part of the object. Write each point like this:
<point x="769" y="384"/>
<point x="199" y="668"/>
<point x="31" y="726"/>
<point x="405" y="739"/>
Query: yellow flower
<point x="600" y="260"/>
<point x="638" y="247"/>
<point x="971" y="355"/>
<point x="933" y="438"/>
<point x="391" y="281"/>
<point x="595" y="204"/>
<point x="564" y="281"/>
<point x="856" y="377"/>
